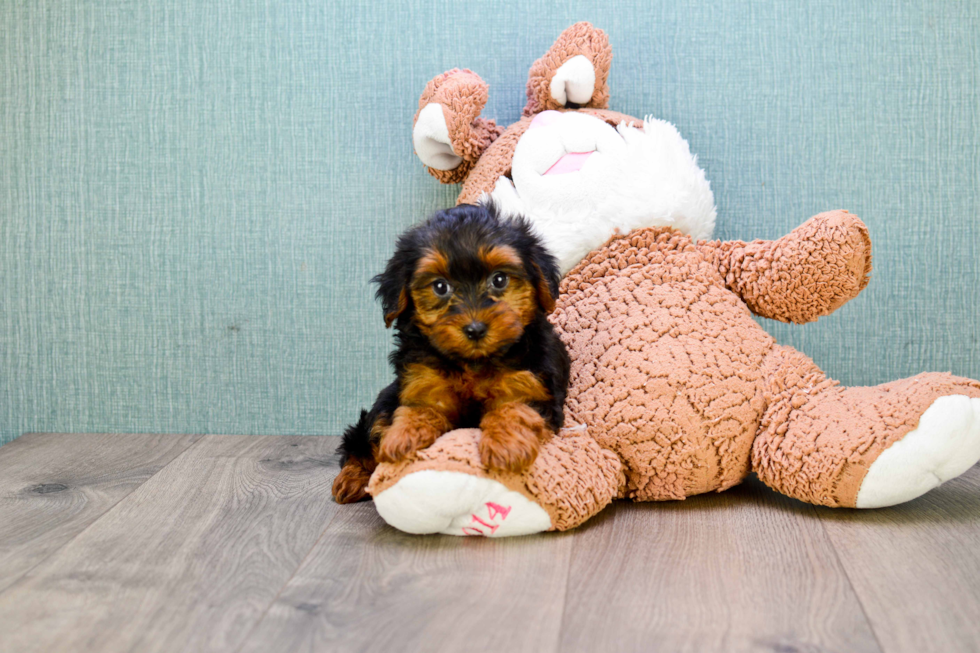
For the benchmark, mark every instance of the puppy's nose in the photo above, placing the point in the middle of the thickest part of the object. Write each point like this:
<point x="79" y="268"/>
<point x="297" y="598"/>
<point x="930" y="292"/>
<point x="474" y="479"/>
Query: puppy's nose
<point x="475" y="330"/>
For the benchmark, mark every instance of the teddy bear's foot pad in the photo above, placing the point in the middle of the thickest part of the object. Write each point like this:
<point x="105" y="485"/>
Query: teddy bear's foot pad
<point x="454" y="503"/>
<point x="945" y="444"/>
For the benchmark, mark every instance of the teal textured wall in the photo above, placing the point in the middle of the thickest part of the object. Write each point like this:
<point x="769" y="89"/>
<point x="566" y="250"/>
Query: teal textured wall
<point x="193" y="195"/>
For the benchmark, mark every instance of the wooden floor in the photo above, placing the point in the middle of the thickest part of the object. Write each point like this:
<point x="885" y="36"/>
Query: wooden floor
<point x="226" y="543"/>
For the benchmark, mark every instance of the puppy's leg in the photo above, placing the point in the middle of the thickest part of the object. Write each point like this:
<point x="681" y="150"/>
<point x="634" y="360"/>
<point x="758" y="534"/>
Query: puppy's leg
<point x="412" y="428"/>
<point x="512" y="434"/>
<point x="428" y="407"/>
<point x="513" y="430"/>
<point x="358" y="448"/>
<point x="351" y="484"/>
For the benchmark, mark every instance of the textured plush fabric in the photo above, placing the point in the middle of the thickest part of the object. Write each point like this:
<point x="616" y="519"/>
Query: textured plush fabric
<point x="670" y="371"/>
<point x="803" y="276"/>
<point x="193" y="195"/>
<point x="672" y="375"/>
<point x="464" y="96"/>
<point x="818" y="438"/>
<point x="667" y="364"/>
<point x="579" y="39"/>
<point x="572" y="478"/>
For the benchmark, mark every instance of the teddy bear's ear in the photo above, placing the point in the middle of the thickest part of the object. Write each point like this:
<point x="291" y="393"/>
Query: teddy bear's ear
<point x="448" y="133"/>
<point x="574" y="72"/>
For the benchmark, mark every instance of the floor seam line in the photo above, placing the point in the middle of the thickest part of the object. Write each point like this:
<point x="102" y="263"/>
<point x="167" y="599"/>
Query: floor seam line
<point x="857" y="595"/>
<point x="568" y="583"/>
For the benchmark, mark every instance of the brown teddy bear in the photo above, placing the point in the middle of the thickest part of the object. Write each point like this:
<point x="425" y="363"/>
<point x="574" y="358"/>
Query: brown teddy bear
<point x="675" y="389"/>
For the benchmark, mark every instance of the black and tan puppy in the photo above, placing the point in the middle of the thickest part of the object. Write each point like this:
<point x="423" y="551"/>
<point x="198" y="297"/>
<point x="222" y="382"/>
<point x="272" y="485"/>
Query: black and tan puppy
<point x="469" y="293"/>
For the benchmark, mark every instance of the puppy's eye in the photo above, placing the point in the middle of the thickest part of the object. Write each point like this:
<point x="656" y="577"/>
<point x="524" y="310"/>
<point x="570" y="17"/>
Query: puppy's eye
<point x="499" y="281"/>
<point x="441" y="288"/>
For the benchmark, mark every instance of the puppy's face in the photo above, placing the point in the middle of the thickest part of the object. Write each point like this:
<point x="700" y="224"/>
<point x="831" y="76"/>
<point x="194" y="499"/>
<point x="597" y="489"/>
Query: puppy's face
<point x="470" y="281"/>
<point x="473" y="304"/>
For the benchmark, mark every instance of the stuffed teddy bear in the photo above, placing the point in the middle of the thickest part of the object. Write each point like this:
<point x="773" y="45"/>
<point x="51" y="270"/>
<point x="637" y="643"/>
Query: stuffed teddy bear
<point x="675" y="390"/>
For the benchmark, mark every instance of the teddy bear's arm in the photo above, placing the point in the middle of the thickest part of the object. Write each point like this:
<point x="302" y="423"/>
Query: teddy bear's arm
<point x="575" y="70"/>
<point x="448" y="133"/>
<point x="806" y="274"/>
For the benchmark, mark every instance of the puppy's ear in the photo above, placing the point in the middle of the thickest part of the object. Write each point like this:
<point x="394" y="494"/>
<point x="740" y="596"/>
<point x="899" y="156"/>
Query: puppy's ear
<point x="393" y="282"/>
<point x="392" y="313"/>
<point x="545" y="272"/>
<point x="546" y="283"/>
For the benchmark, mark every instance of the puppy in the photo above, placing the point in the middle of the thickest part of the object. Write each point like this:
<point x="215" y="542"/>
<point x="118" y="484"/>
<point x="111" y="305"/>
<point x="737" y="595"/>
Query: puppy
<point x="469" y="293"/>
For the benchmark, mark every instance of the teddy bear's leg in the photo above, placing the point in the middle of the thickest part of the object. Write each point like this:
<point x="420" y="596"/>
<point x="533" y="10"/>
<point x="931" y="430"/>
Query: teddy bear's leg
<point x="863" y="447"/>
<point x="446" y="489"/>
<point x="448" y="133"/>
<point x="575" y="70"/>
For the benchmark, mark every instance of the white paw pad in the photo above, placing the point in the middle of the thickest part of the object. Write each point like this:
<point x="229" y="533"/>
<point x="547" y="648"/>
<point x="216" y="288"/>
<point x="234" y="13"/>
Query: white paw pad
<point x="430" y="136"/>
<point x="574" y="81"/>
<point x="945" y="444"/>
<point x="454" y="503"/>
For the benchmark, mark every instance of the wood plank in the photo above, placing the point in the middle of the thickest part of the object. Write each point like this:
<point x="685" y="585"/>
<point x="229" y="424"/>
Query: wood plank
<point x="745" y="570"/>
<point x="53" y="486"/>
<point x="368" y="587"/>
<point x="916" y="567"/>
<point x="189" y="561"/>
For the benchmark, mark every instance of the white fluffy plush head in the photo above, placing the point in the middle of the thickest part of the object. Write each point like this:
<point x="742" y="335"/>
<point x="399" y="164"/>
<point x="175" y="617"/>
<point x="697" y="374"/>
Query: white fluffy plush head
<point x="580" y="181"/>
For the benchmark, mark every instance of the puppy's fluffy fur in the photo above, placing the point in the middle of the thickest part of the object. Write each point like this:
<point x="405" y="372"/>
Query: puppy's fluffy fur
<point x="468" y="293"/>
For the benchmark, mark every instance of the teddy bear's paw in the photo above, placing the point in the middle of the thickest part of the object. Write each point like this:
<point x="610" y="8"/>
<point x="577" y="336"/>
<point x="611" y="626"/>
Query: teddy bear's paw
<point x="574" y="81"/>
<point x="945" y="444"/>
<point x="455" y="503"/>
<point x="431" y="139"/>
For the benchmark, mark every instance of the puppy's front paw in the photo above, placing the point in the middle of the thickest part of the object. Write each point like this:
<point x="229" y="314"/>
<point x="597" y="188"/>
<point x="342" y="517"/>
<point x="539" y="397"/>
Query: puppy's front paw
<point x="513" y="452"/>
<point x="411" y="429"/>
<point x="397" y="445"/>
<point x="512" y="435"/>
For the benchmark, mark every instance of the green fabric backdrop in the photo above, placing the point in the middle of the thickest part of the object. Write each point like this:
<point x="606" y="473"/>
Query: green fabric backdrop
<point x="193" y="195"/>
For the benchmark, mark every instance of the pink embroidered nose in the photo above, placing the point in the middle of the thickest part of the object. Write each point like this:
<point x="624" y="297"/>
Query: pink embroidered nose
<point x="544" y="119"/>
<point x="571" y="162"/>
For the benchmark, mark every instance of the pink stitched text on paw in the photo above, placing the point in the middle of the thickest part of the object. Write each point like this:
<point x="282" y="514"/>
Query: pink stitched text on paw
<point x="492" y="527"/>
<point x="496" y="509"/>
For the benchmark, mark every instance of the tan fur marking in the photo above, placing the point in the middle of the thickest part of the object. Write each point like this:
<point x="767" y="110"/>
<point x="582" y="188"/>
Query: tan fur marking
<point x="428" y="307"/>
<point x="501" y="256"/>
<point x="402" y="305"/>
<point x="378" y="430"/>
<point x="520" y="295"/>
<point x="424" y="386"/>
<point x="521" y="386"/>
<point x="545" y="298"/>
<point x="505" y="320"/>
<point x="433" y="264"/>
